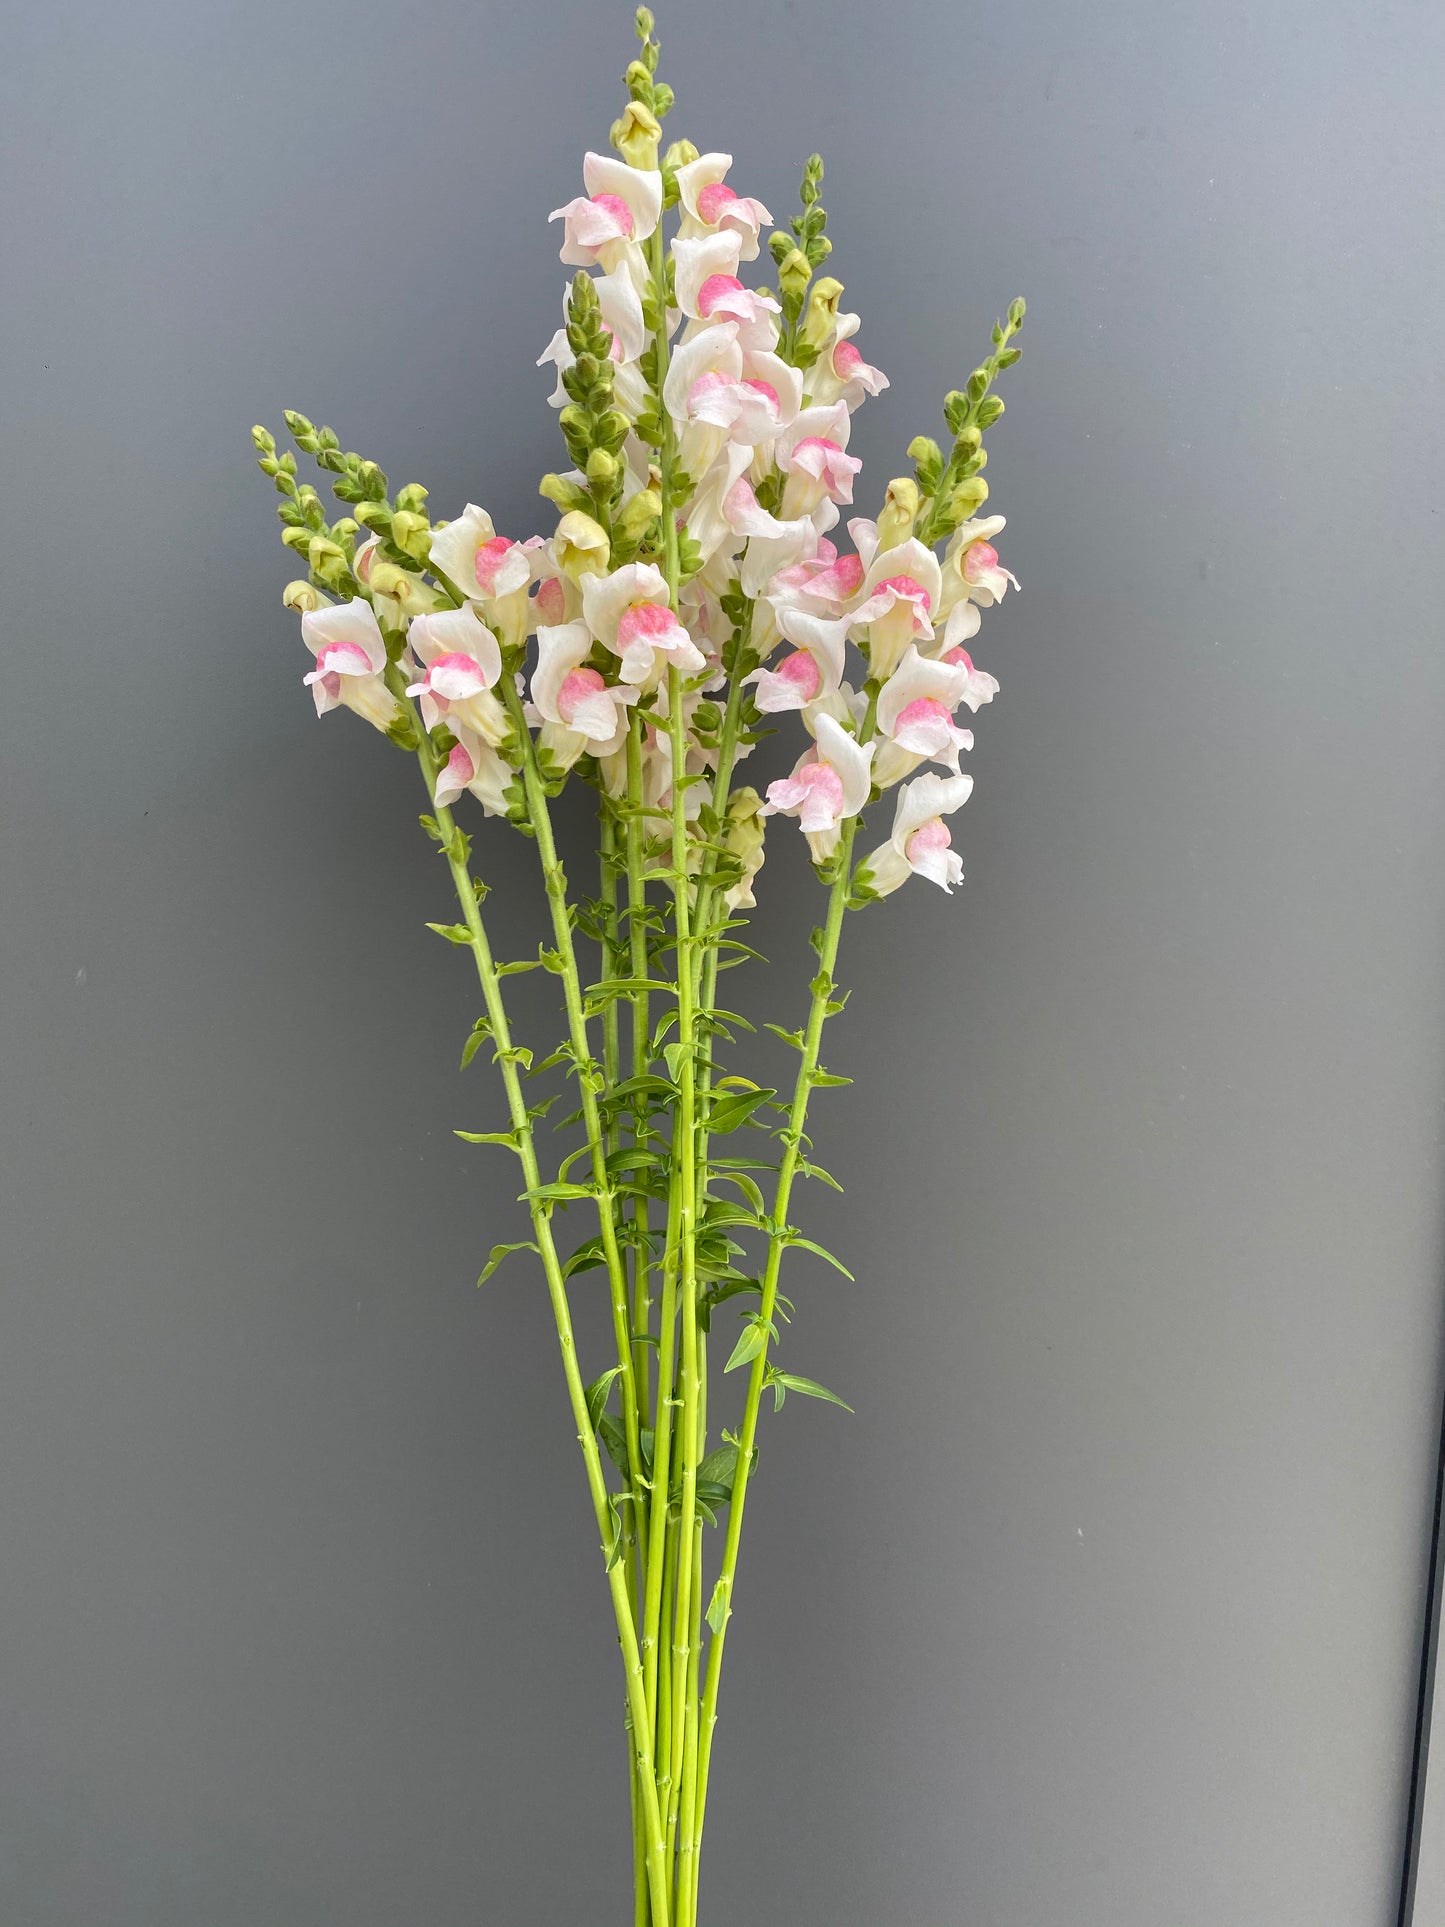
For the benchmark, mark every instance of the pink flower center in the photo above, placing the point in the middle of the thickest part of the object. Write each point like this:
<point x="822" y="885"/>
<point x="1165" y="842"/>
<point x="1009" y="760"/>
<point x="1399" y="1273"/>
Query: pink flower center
<point x="845" y="359"/>
<point x="345" y="659"/>
<point x="455" y="676"/>
<point x="704" y="386"/>
<point x="576" y="689"/>
<point x="928" y="838"/>
<point x="906" y="588"/>
<point x="848" y="571"/>
<point x="551" y="601"/>
<point x="815" y="452"/>
<point x="490" y="557"/>
<point x="802" y="673"/>
<point x="614" y="205"/>
<point x="978" y="559"/>
<point x="461" y="765"/>
<point x="960" y="659"/>
<point x="766" y="390"/>
<point x="716" y="288"/>
<point x="713" y="201"/>
<point x="923" y="713"/>
<point x="823" y="801"/>
<point x="650" y="622"/>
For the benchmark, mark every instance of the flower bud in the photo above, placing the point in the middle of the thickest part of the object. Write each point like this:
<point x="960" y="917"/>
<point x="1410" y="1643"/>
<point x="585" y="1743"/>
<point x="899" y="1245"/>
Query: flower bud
<point x="900" y="509"/>
<point x="968" y="497"/>
<point x="374" y="515"/>
<point x="822" y="316"/>
<point x="927" y="457"/>
<point x="568" y="495"/>
<point x="410" y="594"/>
<point x="303" y="597"/>
<point x="794" y="274"/>
<point x="644" y="507"/>
<point x="581" y="546"/>
<point x="989" y="410"/>
<point x="601" y="468"/>
<point x="636" y="136"/>
<point x="411" y="534"/>
<point x="680" y="154"/>
<point x="263" y="440"/>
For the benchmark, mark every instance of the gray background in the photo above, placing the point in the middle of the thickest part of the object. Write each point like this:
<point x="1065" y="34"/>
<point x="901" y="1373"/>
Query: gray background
<point x="1103" y="1610"/>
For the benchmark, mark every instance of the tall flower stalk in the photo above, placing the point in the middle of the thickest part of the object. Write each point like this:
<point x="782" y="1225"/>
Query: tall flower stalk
<point x="689" y="594"/>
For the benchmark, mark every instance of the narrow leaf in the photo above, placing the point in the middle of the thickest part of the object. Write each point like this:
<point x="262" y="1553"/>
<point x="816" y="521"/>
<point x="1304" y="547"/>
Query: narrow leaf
<point x="501" y="1251"/>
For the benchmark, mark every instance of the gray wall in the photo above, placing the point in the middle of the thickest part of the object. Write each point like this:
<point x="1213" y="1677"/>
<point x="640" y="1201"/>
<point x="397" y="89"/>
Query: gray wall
<point x="1103" y="1611"/>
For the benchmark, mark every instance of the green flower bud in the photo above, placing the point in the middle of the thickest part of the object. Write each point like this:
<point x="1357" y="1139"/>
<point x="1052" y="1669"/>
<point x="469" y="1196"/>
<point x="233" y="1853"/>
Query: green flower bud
<point x="374" y="515"/>
<point x="968" y="498"/>
<point x="567" y="495"/>
<point x="411" y="595"/>
<point x="642" y="508"/>
<point x="601" y="468"/>
<point x="644" y="23"/>
<point x="1016" y="312"/>
<point x="581" y="546"/>
<point x="411" y="534"/>
<point x="900" y="511"/>
<point x="989" y="410"/>
<point x="636" y="135"/>
<point x="303" y="596"/>
<point x="794" y="274"/>
<point x="955" y="410"/>
<point x="298" y="539"/>
<point x="263" y="440"/>
<point x="680" y="154"/>
<point x="822" y="317"/>
<point x="412" y="498"/>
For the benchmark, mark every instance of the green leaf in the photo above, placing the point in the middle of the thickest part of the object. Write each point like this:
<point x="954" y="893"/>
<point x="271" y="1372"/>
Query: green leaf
<point x="749" y="1188"/>
<point x="731" y="1109"/>
<point x="826" y="1079"/>
<point x="609" y="1430"/>
<point x="481" y="1031"/>
<point x="719" y="1469"/>
<point x="453" y="932"/>
<point x="793" y="1037"/>
<point x="558" y="1194"/>
<point x="586" y="1257"/>
<point x="782" y="1382"/>
<point x="819" y="1251"/>
<point x="488" y="1137"/>
<point x="751" y="1340"/>
<point x="502" y="1251"/>
<point x="719" y="1610"/>
<point x="597" y="1394"/>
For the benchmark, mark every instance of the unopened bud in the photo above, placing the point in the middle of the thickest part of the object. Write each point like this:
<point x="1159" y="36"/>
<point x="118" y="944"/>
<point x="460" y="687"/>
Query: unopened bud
<point x="567" y="494"/>
<point x="969" y="497"/>
<point x="303" y="597"/>
<point x="636" y="136"/>
<point x="821" y="321"/>
<point x="900" y="509"/>
<point x="263" y="440"/>
<point x="411" y="595"/>
<point x="644" y="507"/>
<point x="581" y="546"/>
<point x="411" y="534"/>
<point x="794" y="274"/>
<point x="601" y="468"/>
<point x="680" y="154"/>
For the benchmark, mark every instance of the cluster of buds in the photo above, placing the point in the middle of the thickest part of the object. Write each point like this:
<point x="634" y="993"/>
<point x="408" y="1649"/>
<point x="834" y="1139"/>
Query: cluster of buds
<point x="695" y="561"/>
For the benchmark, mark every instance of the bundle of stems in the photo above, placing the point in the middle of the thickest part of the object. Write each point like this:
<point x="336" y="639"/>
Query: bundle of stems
<point x="692" y="544"/>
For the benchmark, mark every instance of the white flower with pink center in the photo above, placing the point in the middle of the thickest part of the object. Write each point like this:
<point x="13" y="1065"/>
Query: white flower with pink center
<point x="346" y="641"/>
<point x="620" y="209"/>
<point x="915" y="717"/>
<point x="709" y="204"/>
<point x="772" y="545"/>
<point x="813" y="668"/>
<point x="574" y="698"/>
<point x="461" y="664"/>
<point x="900" y="592"/>
<point x="630" y="613"/>
<point x="811" y="453"/>
<point x="971" y="565"/>
<point x="920" y="844"/>
<point x="473" y="765"/>
<point x="979" y="687"/>
<point x="829" y="784"/>
<point x="840" y="373"/>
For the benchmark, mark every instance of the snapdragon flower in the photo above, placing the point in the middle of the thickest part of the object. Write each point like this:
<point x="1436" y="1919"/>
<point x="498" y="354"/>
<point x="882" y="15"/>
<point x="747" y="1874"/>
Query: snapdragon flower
<point x="350" y="657"/>
<point x="829" y="783"/>
<point x="920" y="844"/>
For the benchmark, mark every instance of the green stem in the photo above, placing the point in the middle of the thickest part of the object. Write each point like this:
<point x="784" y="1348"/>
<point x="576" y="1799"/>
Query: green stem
<point x="555" y="883"/>
<point x="792" y="1152"/>
<point x="657" y="1870"/>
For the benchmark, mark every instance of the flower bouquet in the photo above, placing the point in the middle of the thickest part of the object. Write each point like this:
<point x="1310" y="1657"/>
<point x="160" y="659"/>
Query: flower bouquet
<point x="689" y="601"/>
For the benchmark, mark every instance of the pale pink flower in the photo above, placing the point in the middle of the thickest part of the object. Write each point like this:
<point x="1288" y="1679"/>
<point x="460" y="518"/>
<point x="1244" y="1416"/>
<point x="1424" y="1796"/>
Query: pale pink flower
<point x="829" y="784"/>
<point x="812" y="670"/>
<point x="811" y="453"/>
<point x="709" y="205"/>
<point x="350" y="654"/>
<point x="840" y="373"/>
<point x="915" y="717"/>
<point x="900" y="592"/>
<point x="630" y="613"/>
<point x="920" y="842"/>
<point x="979" y="686"/>
<point x="579" y="709"/>
<point x="461" y="665"/>
<point x="772" y="544"/>
<point x="620" y="210"/>
<point x="473" y="765"/>
<point x="971" y="565"/>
